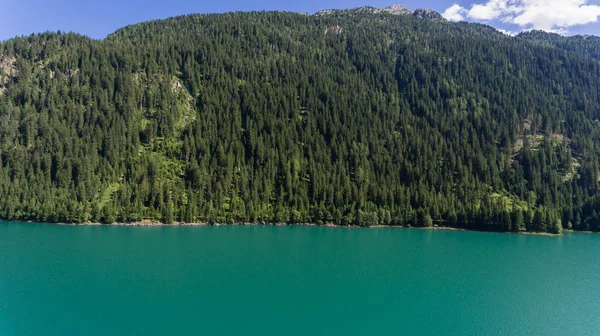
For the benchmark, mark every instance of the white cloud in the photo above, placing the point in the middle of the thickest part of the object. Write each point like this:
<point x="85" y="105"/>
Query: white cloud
<point x="455" y="13"/>
<point x="548" y="15"/>
<point x="488" y="11"/>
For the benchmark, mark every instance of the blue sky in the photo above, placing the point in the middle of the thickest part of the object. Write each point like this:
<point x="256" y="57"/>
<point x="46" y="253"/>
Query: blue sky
<point x="97" y="18"/>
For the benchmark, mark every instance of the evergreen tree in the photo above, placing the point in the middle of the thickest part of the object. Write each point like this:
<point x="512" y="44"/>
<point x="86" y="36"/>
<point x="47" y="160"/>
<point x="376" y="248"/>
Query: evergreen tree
<point x="278" y="117"/>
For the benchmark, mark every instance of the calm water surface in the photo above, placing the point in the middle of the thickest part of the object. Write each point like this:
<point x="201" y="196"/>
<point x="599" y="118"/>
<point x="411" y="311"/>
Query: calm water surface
<point x="60" y="280"/>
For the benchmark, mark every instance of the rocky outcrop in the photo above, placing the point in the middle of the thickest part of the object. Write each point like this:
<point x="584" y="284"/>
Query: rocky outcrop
<point x="393" y="9"/>
<point x="7" y="72"/>
<point x="7" y="66"/>
<point x="397" y="10"/>
<point x="428" y="14"/>
<point x="333" y="29"/>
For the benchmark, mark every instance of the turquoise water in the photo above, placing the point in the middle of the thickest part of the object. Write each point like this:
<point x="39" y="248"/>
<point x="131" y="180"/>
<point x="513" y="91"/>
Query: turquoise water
<point x="61" y="280"/>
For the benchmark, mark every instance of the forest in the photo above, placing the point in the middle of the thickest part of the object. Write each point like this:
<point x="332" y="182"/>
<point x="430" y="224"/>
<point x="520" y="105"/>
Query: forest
<point x="347" y="117"/>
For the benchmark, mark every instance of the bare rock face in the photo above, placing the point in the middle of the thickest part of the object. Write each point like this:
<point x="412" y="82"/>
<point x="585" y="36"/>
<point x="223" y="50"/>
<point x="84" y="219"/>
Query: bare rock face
<point x="333" y="29"/>
<point x="393" y="9"/>
<point x="428" y="14"/>
<point x="325" y="12"/>
<point x="7" y="72"/>
<point x="7" y="66"/>
<point x="398" y="10"/>
<point x="368" y="9"/>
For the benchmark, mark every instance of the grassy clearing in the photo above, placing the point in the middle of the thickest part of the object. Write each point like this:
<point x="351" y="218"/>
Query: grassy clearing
<point x="511" y="202"/>
<point x="108" y="192"/>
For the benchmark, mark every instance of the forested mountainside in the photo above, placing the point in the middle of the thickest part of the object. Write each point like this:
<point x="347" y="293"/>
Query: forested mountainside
<point x="584" y="45"/>
<point x="356" y="117"/>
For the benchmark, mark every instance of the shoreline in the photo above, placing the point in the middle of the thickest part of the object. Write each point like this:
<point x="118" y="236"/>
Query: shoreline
<point x="206" y="224"/>
<point x="182" y="224"/>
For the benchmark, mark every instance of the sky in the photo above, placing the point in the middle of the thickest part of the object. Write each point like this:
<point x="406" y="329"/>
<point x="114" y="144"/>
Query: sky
<point x="98" y="18"/>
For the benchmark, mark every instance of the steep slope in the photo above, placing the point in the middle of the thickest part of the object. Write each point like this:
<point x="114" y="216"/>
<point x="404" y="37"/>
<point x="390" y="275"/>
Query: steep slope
<point x="348" y="117"/>
<point x="587" y="45"/>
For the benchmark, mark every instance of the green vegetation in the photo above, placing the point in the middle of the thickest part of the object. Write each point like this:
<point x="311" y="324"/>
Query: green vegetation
<point x="349" y="117"/>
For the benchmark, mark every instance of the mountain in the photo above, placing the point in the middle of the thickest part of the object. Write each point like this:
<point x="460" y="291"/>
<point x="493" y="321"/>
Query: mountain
<point x="354" y="117"/>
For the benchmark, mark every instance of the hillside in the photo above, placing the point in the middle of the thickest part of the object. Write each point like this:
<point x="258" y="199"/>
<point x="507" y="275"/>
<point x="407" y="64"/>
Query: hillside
<point x="353" y="117"/>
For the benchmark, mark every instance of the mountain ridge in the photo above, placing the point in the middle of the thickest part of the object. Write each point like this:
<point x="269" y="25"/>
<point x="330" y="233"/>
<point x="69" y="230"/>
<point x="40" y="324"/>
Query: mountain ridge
<point x="395" y="9"/>
<point x="283" y="117"/>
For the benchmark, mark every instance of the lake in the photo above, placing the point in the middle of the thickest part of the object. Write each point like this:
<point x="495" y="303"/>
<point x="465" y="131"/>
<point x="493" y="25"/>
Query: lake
<point x="92" y="280"/>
